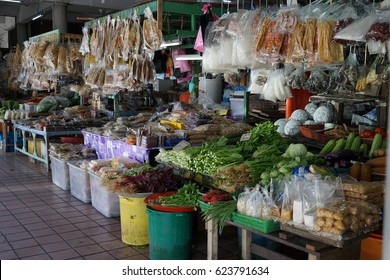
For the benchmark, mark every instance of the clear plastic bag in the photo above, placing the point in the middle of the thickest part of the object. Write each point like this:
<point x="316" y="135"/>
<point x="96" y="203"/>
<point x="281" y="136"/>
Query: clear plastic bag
<point x="257" y="80"/>
<point x="151" y="33"/>
<point x="51" y="56"/>
<point x="275" y="88"/>
<point x="376" y="47"/>
<point x="286" y="21"/>
<point x="254" y="204"/>
<point x="287" y="202"/>
<point x="296" y="52"/>
<point x="84" y="47"/>
<point x="297" y="79"/>
<point x="380" y="31"/>
<point x="242" y="200"/>
<point x="357" y="30"/>
<point x="317" y="82"/>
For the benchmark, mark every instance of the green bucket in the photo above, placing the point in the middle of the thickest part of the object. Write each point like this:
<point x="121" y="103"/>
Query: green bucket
<point x="170" y="235"/>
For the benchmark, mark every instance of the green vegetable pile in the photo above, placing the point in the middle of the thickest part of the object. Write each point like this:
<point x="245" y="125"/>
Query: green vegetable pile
<point x="188" y="195"/>
<point x="220" y="212"/>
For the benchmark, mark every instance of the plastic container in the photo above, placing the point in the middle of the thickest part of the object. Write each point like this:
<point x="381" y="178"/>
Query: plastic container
<point x="30" y="107"/>
<point x="40" y="147"/>
<point x="134" y="219"/>
<point x="170" y="235"/>
<point x="256" y="224"/>
<point x="60" y="173"/>
<point x="104" y="201"/>
<point x="79" y="183"/>
<point x="237" y="107"/>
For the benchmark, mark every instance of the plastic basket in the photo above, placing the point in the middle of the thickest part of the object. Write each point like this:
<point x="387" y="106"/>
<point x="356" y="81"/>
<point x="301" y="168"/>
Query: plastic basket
<point x="204" y="205"/>
<point x="315" y="132"/>
<point x="255" y="223"/>
<point x="72" y="139"/>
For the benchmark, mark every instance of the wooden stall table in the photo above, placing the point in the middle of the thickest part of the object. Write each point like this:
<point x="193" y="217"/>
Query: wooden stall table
<point x="314" y="249"/>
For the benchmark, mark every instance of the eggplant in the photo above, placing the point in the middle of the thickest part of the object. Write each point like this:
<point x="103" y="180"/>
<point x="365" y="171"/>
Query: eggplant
<point x="348" y="155"/>
<point x="345" y="163"/>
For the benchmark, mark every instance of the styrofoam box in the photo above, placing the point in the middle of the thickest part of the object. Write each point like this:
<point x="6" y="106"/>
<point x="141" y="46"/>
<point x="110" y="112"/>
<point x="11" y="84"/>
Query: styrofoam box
<point x="104" y="201"/>
<point x="79" y="183"/>
<point x="237" y="106"/>
<point x="60" y="173"/>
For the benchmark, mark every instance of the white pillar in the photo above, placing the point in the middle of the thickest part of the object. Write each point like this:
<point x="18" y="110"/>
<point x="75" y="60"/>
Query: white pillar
<point x="60" y="22"/>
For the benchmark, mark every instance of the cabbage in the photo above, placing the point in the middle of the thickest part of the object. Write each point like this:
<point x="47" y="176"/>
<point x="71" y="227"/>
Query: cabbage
<point x="299" y="115"/>
<point x="292" y="127"/>
<point x="324" y="114"/>
<point x="309" y="122"/>
<point x="280" y="124"/>
<point x="310" y="108"/>
<point x="296" y="150"/>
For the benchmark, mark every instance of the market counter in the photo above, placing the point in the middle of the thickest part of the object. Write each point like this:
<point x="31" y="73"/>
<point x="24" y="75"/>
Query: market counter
<point x="314" y="249"/>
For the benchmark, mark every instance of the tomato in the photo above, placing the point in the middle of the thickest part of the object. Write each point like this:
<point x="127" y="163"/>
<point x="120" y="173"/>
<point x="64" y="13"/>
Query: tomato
<point x="367" y="134"/>
<point x="380" y="130"/>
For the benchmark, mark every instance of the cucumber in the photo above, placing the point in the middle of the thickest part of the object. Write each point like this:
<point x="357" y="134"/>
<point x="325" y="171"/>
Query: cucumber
<point x="376" y="144"/>
<point x="350" y="139"/>
<point x="384" y="144"/>
<point x="364" y="149"/>
<point x="355" y="144"/>
<point x="328" y="147"/>
<point x="339" y="145"/>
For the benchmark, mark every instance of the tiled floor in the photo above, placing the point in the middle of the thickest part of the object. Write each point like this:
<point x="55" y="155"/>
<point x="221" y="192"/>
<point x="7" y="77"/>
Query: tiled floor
<point x="38" y="220"/>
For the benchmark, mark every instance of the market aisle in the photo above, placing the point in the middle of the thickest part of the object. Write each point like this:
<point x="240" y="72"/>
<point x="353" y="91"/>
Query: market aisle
<point x="38" y="220"/>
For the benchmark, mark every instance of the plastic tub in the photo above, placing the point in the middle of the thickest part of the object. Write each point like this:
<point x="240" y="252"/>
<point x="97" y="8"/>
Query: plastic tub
<point x="60" y="173"/>
<point x="40" y="146"/>
<point x="79" y="183"/>
<point x="170" y="235"/>
<point x="104" y="201"/>
<point x="134" y="219"/>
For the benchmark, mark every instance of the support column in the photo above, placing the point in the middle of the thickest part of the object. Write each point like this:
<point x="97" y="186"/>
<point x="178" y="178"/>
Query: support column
<point x="60" y="22"/>
<point x="21" y="33"/>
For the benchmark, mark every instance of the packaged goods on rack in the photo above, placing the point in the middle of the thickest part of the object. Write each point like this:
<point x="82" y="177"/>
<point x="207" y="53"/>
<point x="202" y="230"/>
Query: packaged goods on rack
<point x="151" y="33"/>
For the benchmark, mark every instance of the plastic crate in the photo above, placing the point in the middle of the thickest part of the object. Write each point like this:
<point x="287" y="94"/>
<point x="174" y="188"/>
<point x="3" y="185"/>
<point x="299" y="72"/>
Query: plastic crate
<point x="104" y="201"/>
<point x="60" y="173"/>
<point x="204" y="205"/>
<point x="79" y="183"/>
<point x="255" y="223"/>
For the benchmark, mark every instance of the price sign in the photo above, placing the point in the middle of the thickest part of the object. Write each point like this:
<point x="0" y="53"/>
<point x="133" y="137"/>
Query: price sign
<point x="181" y="145"/>
<point x="245" y="137"/>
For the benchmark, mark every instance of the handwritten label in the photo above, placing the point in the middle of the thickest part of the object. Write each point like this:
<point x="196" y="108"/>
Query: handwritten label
<point x="245" y="137"/>
<point x="181" y="145"/>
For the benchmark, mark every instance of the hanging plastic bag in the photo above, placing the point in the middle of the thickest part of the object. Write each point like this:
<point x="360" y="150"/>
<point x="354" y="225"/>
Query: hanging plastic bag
<point x="199" y="41"/>
<point x="348" y="16"/>
<point x="357" y="30"/>
<point x="257" y="80"/>
<point x="317" y="82"/>
<point x="286" y="21"/>
<point x="151" y="33"/>
<point x="380" y="31"/>
<point x="84" y="47"/>
<point x="287" y="204"/>
<point x="275" y="88"/>
<point x="297" y="79"/>
<point x="376" y="47"/>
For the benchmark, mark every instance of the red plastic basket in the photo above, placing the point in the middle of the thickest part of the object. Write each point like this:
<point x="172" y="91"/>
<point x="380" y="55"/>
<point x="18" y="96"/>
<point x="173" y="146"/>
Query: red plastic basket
<point x="315" y="132"/>
<point x="72" y="139"/>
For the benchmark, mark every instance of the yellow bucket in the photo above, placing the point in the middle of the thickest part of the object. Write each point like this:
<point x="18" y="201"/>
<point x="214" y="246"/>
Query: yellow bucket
<point x="134" y="220"/>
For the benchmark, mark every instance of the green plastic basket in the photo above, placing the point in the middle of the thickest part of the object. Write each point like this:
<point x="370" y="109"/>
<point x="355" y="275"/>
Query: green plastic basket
<point x="203" y="205"/>
<point x="255" y="223"/>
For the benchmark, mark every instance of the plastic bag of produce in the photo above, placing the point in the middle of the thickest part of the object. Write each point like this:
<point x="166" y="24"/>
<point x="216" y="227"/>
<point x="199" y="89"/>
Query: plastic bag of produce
<point x="258" y="80"/>
<point x="380" y="30"/>
<point x="242" y="200"/>
<point x="297" y="79"/>
<point x="254" y="205"/>
<point x="49" y="103"/>
<point x="348" y="16"/>
<point x="287" y="202"/>
<point x="317" y="82"/>
<point x="271" y="44"/>
<point x="286" y="20"/>
<point x="275" y="88"/>
<point x="151" y="33"/>
<point x="50" y="57"/>
<point x="84" y="47"/>
<point x="357" y="30"/>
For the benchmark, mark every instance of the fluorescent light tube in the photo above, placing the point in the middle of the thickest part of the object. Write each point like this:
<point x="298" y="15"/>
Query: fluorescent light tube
<point x="170" y="43"/>
<point x="37" y="16"/>
<point x="189" y="57"/>
<point x="12" y="1"/>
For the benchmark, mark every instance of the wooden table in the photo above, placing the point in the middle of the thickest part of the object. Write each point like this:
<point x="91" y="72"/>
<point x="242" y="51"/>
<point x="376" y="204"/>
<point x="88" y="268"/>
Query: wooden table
<point x="315" y="250"/>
